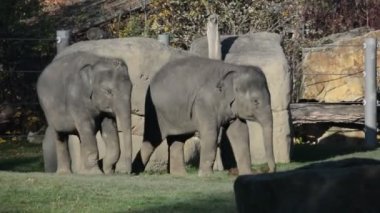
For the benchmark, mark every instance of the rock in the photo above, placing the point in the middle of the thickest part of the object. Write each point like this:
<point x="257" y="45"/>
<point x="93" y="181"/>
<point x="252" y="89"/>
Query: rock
<point x="333" y="72"/>
<point x="263" y="50"/>
<point x="340" y="186"/>
<point x="144" y="57"/>
<point x="37" y="136"/>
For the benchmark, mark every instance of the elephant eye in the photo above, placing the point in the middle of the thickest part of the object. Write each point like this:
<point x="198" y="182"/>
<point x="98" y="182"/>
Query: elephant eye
<point x="108" y="91"/>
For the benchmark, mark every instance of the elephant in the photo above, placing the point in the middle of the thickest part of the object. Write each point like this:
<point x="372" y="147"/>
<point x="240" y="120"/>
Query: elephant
<point x="80" y="93"/>
<point x="204" y="95"/>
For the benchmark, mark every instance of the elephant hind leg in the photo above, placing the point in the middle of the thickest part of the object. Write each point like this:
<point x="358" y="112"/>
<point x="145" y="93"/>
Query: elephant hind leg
<point x="148" y="146"/>
<point x="176" y="155"/>
<point x="49" y="150"/>
<point x="63" y="155"/>
<point x="152" y="136"/>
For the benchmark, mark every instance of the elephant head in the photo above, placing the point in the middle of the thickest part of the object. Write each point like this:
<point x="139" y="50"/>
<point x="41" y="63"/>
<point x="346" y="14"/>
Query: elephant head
<point x="109" y="88"/>
<point x="249" y="99"/>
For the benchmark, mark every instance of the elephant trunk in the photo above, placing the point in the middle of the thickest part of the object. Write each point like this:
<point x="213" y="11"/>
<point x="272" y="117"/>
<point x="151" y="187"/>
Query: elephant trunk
<point x="123" y="121"/>
<point x="266" y="122"/>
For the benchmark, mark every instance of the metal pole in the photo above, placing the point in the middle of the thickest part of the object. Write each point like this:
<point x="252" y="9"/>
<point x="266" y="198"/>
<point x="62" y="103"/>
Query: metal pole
<point x="370" y="93"/>
<point x="63" y="39"/>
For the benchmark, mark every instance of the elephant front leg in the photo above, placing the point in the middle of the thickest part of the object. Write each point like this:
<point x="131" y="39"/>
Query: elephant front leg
<point x="238" y="135"/>
<point x="209" y="136"/>
<point x="89" y="149"/>
<point x="176" y="156"/>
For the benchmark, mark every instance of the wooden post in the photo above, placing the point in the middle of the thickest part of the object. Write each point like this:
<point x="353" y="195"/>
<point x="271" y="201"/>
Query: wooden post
<point x="213" y="38"/>
<point x="164" y="39"/>
<point x="215" y="52"/>
<point x="63" y="39"/>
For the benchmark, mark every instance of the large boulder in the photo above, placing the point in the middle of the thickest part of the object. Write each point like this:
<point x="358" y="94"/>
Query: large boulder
<point x="144" y="57"/>
<point x="263" y="50"/>
<point x="333" y="71"/>
<point x="343" y="186"/>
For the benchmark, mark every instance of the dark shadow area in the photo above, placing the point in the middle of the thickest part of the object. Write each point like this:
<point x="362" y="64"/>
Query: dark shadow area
<point x="25" y="164"/>
<point x="21" y="157"/>
<point x="227" y="44"/>
<point x="326" y="140"/>
<point x="214" y="203"/>
<point x="226" y="152"/>
<point x="345" y="163"/>
<point x="316" y="152"/>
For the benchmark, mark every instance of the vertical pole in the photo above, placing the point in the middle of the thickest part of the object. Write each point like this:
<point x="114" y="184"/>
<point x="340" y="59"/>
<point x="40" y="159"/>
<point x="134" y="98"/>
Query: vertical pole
<point x="63" y="39"/>
<point x="164" y="39"/>
<point x="370" y="93"/>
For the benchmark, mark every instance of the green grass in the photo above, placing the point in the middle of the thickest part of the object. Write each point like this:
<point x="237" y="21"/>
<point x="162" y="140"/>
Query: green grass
<point x="24" y="188"/>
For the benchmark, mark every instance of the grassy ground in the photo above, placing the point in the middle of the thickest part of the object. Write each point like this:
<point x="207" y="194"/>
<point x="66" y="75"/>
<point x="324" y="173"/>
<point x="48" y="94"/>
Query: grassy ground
<point x="23" y="188"/>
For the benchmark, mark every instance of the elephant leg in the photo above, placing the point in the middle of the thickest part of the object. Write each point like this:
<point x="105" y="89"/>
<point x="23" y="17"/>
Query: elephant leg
<point x="176" y="155"/>
<point x="110" y="136"/>
<point x="89" y="149"/>
<point x="75" y="154"/>
<point x="143" y="156"/>
<point x="151" y="140"/>
<point x="209" y="137"/>
<point x="63" y="156"/>
<point x="49" y="150"/>
<point x="238" y="135"/>
<point x="265" y="119"/>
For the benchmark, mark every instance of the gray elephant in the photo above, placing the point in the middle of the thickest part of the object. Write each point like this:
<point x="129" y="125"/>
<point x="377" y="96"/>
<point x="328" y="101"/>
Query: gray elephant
<point x="80" y="93"/>
<point x="198" y="94"/>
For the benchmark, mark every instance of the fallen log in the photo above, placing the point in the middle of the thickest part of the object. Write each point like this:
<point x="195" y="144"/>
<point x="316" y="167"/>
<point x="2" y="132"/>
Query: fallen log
<point x="303" y="113"/>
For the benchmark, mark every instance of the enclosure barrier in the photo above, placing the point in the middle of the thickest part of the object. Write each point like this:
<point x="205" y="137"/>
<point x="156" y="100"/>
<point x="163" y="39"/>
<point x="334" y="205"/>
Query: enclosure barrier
<point x="370" y="92"/>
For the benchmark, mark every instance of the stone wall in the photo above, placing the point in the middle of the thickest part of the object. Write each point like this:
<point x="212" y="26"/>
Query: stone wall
<point x="333" y="72"/>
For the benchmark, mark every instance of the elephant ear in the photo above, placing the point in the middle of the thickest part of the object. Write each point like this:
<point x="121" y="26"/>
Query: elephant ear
<point x="224" y="81"/>
<point x="225" y="86"/>
<point x="87" y="76"/>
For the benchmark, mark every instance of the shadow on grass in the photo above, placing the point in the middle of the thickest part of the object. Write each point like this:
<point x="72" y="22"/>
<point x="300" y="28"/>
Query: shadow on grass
<point x="323" y="151"/>
<point x="214" y="203"/>
<point x="21" y="157"/>
<point x="24" y="164"/>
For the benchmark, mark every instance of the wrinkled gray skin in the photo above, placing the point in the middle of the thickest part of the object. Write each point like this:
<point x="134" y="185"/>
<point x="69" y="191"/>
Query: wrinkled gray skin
<point x="79" y="93"/>
<point x="197" y="94"/>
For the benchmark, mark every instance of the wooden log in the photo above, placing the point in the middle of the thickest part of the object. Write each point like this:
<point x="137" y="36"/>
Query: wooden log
<point x="327" y="113"/>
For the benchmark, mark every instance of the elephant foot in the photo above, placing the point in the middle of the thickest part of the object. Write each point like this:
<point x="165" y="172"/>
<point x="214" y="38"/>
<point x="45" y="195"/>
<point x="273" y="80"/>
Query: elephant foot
<point x="122" y="168"/>
<point x="91" y="171"/>
<point x="178" y="172"/>
<point x="244" y="171"/>
<point x="108" y="171"/>
<point x="205" y="173"/>
<point x="233" y="172"/>
<point x="63" y="172"/>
